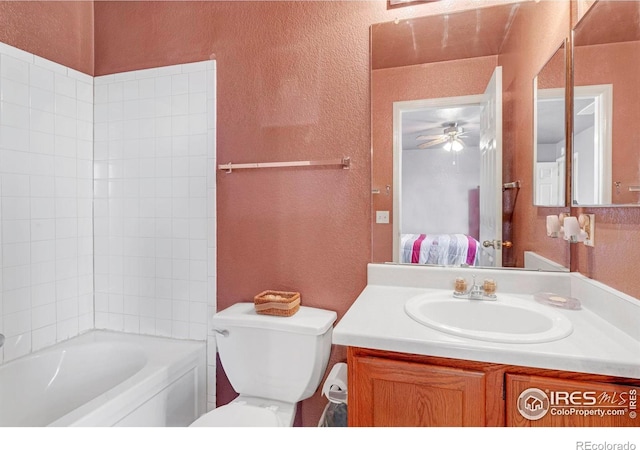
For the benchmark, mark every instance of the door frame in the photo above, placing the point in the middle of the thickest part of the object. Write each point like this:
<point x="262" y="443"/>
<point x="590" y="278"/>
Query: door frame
<point x="398" y="109"/>
<point x="602" y="94"/>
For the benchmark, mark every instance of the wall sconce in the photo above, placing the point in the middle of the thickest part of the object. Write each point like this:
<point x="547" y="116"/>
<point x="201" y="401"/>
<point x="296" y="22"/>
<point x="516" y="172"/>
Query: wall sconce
<point x="553" y="226"/>
<point x="587" y="224"/>
<point x="571" y="229"/>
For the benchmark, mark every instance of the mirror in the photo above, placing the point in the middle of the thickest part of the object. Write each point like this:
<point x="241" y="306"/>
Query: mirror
<point x="606" y="91"/>
<point x="428" y="77"/>
<point x="549" y="132"/>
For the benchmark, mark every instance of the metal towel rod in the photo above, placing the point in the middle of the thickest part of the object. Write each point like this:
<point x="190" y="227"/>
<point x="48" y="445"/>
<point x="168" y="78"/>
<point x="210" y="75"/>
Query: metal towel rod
<point x="344" y="162"/>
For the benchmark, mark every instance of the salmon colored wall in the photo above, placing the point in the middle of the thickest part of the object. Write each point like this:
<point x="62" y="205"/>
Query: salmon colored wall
<point x="617" y="229"/>
<point x="534" y="38"/>
<point x="58" y="31"/>
<point x="436" y="80"/>
<point x="292" y="84"/>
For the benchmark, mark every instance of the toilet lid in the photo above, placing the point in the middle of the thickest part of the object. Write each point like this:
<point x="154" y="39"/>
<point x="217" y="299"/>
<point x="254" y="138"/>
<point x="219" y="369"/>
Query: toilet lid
<point x="238" y="415"/>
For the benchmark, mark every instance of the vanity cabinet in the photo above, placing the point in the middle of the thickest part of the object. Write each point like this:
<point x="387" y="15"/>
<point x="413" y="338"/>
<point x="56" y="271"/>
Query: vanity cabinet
<point x="400" y="393"/>
<point x="397" y="389"/>
<point x="570" y="403"/>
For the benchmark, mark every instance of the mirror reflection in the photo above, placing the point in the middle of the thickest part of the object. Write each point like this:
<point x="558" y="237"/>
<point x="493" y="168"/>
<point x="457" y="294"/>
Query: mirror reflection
<point x="549" y="138"/>
<point x="437" y="181"/>
<point x="430" y="85"/>
<point x="606" y="57"/>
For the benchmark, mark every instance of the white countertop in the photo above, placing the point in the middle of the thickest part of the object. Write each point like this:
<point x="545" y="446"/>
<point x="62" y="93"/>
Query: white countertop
<point x="377" y="320"/>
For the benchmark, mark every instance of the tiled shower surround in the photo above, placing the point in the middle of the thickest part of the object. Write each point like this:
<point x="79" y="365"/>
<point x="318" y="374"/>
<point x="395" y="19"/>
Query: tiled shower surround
<point x="137" y="147"/>
<point x="46" y="164"/>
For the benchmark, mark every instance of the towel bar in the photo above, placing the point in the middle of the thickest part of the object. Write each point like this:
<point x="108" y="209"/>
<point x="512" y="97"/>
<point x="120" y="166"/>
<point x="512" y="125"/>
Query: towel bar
<point x="344" y="162"/>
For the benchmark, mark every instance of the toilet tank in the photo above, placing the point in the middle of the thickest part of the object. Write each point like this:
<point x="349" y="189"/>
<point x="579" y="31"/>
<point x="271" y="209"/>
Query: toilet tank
<point x="280" y="358"/>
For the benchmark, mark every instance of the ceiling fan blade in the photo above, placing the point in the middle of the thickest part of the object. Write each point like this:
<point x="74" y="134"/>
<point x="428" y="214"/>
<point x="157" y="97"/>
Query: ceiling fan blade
<point x="432" y="136"/>
<point x="432" y="143"/>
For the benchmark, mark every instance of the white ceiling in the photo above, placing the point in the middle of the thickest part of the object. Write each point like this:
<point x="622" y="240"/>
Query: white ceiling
<point x="432" y="121"/>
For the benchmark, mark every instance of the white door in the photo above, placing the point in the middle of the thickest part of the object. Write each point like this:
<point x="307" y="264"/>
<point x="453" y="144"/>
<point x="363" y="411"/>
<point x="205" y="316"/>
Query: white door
<point x="491" y="173"/>
<point x="547" y="183"/>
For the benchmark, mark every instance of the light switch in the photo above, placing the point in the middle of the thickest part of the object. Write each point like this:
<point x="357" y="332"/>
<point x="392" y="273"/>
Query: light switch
<point x="382" y="216"/>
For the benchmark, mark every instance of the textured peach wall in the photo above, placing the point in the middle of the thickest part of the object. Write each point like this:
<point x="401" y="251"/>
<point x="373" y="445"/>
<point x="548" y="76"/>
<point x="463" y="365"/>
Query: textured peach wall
<point x="529" y="45"/>
<point x="617" y="229"/>
<point x="615" y="258"/>
<point x="58" y="31"/>
<point x="293" y="83"/>
<point x="443" y="79"/>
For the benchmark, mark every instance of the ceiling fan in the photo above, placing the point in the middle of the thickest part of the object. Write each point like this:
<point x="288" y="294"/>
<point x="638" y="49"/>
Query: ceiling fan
<point x="451" y="137"/>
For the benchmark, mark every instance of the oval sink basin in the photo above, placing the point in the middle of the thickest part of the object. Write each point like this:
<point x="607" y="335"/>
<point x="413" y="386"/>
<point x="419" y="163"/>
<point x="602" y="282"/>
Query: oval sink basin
<point x="508" y="319"/>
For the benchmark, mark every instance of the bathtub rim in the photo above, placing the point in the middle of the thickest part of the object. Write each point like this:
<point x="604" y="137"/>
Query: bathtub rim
<point x="160" y="370"/>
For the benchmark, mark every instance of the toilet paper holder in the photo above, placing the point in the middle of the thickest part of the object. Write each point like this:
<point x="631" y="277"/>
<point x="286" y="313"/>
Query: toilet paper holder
<point x="335" y="386"/>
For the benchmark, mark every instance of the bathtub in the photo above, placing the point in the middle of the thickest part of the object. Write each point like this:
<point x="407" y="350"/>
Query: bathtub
<point x="105" y="378"/>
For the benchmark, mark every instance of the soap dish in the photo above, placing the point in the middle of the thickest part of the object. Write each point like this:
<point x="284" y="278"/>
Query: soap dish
<point x="557" y="300"/>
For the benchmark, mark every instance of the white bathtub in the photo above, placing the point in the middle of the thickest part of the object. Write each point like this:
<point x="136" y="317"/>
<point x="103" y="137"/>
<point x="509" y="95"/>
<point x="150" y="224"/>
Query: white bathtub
<point x="105" y="378"/>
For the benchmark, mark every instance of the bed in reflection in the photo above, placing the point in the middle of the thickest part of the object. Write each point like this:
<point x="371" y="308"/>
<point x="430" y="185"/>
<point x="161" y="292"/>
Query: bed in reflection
<point x="441" y="249"/>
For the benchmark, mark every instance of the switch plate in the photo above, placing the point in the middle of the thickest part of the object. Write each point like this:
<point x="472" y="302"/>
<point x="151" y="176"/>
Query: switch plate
<point x="382" y="216"/>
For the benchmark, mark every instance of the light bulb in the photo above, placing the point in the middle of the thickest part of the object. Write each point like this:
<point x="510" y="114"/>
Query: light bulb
<point x="456" y="146"/>
<point x="571" y="229"/>
<point x="447" y="146"/>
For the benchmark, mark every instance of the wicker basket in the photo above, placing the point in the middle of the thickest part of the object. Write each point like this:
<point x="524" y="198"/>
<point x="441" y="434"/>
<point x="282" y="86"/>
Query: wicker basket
<point x="277" y="303"/>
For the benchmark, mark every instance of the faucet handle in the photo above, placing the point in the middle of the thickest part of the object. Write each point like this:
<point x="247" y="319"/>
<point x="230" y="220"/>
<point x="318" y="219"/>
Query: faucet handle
<point x="489" y="286"/>
<point x="460" y="286"/>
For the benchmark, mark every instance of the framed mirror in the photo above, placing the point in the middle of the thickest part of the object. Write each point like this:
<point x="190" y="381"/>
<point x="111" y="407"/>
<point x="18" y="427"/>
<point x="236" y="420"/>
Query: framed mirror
<point x="606" y="91"/>
<point x="549" y="132"/>
<point x="429" y="77"/>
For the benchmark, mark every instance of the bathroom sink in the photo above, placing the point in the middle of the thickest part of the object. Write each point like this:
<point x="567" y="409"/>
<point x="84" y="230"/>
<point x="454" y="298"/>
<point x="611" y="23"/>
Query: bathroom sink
<point x="509" y="319"/>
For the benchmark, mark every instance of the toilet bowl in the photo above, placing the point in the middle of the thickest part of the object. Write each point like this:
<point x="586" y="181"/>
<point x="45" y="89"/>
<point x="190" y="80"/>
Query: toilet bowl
<point x="272" y="362"/>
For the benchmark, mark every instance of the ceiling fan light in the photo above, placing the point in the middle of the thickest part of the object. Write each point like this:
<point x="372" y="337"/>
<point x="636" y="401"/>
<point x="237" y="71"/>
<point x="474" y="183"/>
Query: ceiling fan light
<point x="456" y="145"/>
<point x="448" y="146"/>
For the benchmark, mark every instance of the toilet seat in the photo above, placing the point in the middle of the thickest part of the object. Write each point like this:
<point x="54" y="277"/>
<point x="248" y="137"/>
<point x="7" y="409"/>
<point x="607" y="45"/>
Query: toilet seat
<point x="239" y="414"/>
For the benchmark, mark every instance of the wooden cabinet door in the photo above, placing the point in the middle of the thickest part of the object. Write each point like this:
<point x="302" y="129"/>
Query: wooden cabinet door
<point x="551" y="402"/>
<point x="389" y="393"/>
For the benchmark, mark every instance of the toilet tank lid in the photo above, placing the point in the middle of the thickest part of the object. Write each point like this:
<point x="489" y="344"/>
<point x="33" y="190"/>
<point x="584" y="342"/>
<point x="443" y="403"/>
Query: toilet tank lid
<point x="307" y="320"/>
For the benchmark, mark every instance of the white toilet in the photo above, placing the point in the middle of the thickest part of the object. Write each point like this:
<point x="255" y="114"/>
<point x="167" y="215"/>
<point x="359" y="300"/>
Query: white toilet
<point x="272" y="362"/>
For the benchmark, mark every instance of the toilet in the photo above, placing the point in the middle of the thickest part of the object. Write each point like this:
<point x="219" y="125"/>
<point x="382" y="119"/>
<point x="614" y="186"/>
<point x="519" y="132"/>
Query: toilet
<point x="272" y="362"/>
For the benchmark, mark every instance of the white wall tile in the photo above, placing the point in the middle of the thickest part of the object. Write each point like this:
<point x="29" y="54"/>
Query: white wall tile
<point x="50" y="65"/>
<point x="45" y="209"/>
<point x="43" y="337"/>
<point x="14" y="69"/>
<point x="14" y="92"/>
<point x="13" y="138"/>
<point x="131" y="150"/>
<point x="41" y="77"/>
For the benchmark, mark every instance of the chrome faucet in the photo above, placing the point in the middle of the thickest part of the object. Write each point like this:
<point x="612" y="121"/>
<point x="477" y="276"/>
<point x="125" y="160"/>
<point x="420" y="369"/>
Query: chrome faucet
<point x="476" y="291"/>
